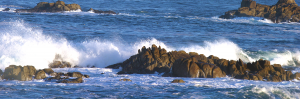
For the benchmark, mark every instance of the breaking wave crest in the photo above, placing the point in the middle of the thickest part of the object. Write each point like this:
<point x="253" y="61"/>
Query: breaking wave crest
<point x="21" y="44"/>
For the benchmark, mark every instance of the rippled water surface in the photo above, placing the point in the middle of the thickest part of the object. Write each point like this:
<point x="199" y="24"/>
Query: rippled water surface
<point x="89" y="39"/>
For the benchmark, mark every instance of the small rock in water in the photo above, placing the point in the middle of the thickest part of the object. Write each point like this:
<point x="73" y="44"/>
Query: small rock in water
<point x="125" y="80"/>
<point x="178" y="81"/>
<point x="6" y="9"/>
<point x="86" y="76"/>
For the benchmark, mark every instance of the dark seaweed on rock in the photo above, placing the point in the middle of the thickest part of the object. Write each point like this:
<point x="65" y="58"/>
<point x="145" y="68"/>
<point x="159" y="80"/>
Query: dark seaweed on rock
<point x="182" y="64"/>
<point x="282" y="11"/>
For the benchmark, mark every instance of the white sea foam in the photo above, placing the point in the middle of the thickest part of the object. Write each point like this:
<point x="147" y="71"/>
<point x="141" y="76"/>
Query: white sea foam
<point x="221" y="48"/>
<point x="251" y="20"/>
<point x="23" y="45"/>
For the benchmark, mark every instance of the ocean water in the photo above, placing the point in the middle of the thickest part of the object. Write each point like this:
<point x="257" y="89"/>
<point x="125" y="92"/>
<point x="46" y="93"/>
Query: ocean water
<point x="88" y="39"/>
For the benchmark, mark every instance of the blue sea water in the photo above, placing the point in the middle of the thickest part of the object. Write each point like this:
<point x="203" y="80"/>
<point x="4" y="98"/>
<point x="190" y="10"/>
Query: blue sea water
<point x="88" y="39"/>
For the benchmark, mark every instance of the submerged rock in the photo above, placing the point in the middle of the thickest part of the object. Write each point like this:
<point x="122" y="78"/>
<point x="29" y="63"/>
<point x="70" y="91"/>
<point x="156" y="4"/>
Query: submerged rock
<point x="58" y="6"/>
<point x="77" y="80"/>
<point x="75" y="74"/>
<point x="282" y="11"/>
<point x="178" y="81"/>
<point x="101" y="12"/>
<point x="125" y="80"/>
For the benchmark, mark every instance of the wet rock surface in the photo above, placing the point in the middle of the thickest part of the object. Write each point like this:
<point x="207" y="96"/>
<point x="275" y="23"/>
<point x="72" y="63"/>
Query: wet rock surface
<point x="282" y="11"/>
<point x="194" y="65"/>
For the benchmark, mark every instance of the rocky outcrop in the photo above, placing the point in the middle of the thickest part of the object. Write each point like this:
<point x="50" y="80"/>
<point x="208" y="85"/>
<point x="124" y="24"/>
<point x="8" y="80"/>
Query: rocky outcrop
<point x="282" y="11"/>
<point x="58" y="6"/>
<point x="101" y="12"/>
<point x="182" y="64"/>
<point x="178" y="81"/>
<point x="14" y="72"/>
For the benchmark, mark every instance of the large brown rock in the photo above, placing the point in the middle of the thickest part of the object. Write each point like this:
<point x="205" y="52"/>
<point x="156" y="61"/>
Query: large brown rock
<point x="283" y="11"/>
<point x="182" y="64"/>
<point x="14" y="72"/>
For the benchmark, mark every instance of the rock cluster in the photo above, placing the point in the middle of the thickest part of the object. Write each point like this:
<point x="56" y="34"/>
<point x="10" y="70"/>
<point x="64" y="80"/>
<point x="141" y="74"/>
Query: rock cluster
<point x="282" y="11"/>
<point x="26" y="73"/>
<point x="182" y="64"/>
<point x="58" y="6"/>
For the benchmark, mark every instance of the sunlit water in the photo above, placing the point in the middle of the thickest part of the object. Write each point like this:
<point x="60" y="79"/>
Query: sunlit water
<point x="89" y="39"/>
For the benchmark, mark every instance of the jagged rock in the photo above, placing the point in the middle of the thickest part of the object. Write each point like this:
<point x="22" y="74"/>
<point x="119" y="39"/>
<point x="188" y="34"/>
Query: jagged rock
<point x="101" y="12"/>
<point x="40" y="75"/>
<point x="58" y="6"/>
<point x="282" y="11"/>
<point x="14" y="72"/>
<point x="178" y="81"/>
<point x="48" y="70"/>
<point x="125" y="80"/>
